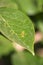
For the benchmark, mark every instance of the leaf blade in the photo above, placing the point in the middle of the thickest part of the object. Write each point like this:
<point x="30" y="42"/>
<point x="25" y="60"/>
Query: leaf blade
<point x="15" y="25"/>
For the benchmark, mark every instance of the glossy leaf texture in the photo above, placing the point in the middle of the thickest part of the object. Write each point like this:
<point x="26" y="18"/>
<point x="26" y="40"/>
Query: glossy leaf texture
<point x="31" y="7"/>
<point x="5" y="46"/>
<point x="17" y="27"/>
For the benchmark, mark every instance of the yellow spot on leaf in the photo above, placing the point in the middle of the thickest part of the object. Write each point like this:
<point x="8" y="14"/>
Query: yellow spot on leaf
<point x="22" y="34"/>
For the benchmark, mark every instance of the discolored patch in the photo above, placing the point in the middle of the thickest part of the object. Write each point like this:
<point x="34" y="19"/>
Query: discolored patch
<point x="22" y="34"/>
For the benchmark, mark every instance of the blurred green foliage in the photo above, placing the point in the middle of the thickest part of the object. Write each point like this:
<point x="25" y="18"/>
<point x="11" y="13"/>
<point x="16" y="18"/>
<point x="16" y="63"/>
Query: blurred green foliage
<point x="5" y="46"/>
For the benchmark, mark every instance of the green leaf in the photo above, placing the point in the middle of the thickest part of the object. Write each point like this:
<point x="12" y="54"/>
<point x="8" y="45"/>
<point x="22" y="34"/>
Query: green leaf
<point x="5" y="46"/>
<point x="8" y="4"/>
<point x="40" y="5"/>
<point x="40" y="26"/>
<point x="24" y="58"/>
<point x="17" y="27"/>
<point x="28" y="6"/>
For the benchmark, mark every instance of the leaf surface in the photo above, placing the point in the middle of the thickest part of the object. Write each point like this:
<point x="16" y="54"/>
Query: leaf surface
<point x="5" y="46"/>
<point x="17" y="27"/>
